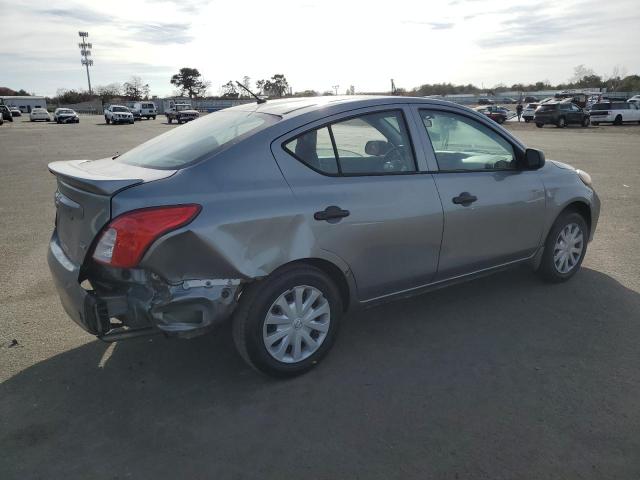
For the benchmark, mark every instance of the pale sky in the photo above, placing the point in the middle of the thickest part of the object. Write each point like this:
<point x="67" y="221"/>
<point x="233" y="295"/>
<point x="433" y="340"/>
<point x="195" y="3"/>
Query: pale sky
<point x="316" y="44"/>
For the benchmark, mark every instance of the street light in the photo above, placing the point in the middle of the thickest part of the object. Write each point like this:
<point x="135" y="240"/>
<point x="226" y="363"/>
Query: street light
<point x="85" y="53"/>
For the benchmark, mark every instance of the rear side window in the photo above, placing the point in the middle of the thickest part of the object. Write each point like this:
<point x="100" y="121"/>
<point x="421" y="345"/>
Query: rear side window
<point x="191" y="142"/>
<point x="547" y="108"/>
<point x="372" y="144"/>
<point x="620" y="106"/>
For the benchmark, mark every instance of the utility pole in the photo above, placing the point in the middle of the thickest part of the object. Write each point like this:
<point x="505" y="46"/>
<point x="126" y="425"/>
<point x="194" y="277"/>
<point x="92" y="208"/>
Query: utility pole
<point x="393" y="87"/>
<point x="336" y="87"/>
<point x="85" y="53"/>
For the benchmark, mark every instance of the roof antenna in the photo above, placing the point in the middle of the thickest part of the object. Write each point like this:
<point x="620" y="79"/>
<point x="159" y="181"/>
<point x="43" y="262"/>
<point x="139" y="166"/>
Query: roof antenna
<point x="258" y="99"/>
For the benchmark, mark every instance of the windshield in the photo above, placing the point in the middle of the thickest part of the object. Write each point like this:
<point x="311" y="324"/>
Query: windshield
<point x="189" y="143"/>
<point x="119" y="109"/>
<point x="183" y="107"/>
<point x="64" y="110"/>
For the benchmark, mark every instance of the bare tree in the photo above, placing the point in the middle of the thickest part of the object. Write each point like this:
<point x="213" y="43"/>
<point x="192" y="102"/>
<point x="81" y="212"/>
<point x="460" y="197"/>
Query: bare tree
<point x="579" y="72"/>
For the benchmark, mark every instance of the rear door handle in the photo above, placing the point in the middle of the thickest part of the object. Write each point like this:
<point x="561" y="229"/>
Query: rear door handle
<point x="331" y="213"/>
<point x="465" y="199"/>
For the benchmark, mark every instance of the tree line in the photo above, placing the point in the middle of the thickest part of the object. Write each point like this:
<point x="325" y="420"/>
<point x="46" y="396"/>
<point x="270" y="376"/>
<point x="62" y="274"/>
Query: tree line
<point x="189" y="82"/>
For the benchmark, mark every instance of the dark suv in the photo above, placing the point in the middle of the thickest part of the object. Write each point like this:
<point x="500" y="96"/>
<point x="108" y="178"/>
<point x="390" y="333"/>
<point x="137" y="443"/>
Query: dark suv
<point x="560" y="114"/>
<point x="5" y="113"/>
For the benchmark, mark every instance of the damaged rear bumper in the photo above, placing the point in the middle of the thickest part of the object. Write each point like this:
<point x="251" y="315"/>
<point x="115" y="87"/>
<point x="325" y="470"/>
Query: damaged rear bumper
<point x="125" y="303"/>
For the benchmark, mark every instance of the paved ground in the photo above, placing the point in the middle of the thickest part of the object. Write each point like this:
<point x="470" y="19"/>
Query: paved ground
<point x="500" y="378"/>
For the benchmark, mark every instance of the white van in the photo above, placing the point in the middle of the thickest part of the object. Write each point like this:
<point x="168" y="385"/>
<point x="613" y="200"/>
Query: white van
<point x="144" y="109"/>
<point x="614" y="112"/>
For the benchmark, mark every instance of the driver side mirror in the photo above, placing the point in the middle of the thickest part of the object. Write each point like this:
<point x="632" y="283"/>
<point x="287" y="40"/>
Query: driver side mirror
<point x="377" y="148"/>
<point x="533" y="159"/>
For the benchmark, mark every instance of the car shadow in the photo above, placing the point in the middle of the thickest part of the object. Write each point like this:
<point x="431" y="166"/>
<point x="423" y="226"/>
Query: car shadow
<point x="502" y="374"/>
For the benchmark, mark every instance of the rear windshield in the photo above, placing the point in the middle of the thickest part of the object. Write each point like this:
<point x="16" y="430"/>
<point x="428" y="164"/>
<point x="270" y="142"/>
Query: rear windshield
<point x="189" y="143"/>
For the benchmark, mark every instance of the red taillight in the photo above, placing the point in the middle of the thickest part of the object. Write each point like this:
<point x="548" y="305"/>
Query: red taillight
<point x="126" y="238"/>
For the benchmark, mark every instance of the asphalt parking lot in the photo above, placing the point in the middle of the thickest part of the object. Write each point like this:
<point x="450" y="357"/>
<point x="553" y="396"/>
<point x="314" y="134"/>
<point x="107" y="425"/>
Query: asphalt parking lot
<point x="500" y="378"/>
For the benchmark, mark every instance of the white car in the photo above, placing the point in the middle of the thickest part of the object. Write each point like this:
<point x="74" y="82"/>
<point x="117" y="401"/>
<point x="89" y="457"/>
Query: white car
<point x="65" y="115"/>
<point x="528" y="111"/>
<point x="118" y="114"/>
<point x="39" y="114"/>
<point x="614" y="112"/>
<point x="635" y="99"/>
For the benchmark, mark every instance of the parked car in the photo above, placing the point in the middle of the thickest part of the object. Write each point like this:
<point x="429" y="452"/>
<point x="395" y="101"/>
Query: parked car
<point x="530" y="99"/>
<point x="144" y="109"/>
<point x="65" y="115"/>
<point x="6" y="113"/>
<point x="1" y="119"/>
<point x="181" y="113"/>
<point x="15" y="112"/>
<point x="496" y="113"/>
<point x="635" y="99"/>
<point x="529" y="111"/>
<point x="485" y="101"/>
<point x="509" y="100"/>
<point x="614" y="112"/>
<point x="284" y="215"/>
<point x="118" y="114"/>
<point x="38" y="114"/>
<point x="560" y="114"/>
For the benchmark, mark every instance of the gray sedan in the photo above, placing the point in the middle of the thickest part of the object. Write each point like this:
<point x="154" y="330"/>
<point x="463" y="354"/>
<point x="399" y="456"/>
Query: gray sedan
<point x="284" y="215"/>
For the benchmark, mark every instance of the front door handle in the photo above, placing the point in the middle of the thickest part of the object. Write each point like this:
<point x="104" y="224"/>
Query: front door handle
<point x="465" y="199"/>
<point x="331" y="213"/>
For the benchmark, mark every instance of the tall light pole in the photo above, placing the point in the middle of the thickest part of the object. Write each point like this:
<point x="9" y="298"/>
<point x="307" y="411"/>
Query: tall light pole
<point x="85" y="53"/>
<point x="336" y="87"/>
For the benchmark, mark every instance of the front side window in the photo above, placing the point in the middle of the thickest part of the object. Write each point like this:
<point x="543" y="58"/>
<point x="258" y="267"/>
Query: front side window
<point x="371" y="144"/>
<point x="463" y="144"/>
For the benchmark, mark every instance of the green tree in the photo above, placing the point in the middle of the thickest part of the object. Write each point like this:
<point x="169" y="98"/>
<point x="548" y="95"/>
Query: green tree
<point x="276" y="86"/>
<point x="229" y="90"/>
<point x="190" y="80"/>
<point x="136" y="89"/>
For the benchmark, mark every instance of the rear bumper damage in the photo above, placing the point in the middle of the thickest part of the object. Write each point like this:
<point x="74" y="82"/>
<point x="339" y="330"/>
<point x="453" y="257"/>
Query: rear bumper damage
<point x="123" y="303"/>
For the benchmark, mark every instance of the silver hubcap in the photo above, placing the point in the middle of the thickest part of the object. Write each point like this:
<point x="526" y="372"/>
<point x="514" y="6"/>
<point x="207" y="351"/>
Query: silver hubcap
<point x="296" y="324"/>
<point x="568" y="248"/>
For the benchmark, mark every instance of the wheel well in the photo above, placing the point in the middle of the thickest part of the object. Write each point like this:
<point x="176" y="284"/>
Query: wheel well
<point x="333" y="272"/>
<point x="581" y="208"/>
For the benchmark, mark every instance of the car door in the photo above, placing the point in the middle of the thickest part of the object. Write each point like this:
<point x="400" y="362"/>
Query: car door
<point x="493" y="211"/>
<point x="356" y="180"/>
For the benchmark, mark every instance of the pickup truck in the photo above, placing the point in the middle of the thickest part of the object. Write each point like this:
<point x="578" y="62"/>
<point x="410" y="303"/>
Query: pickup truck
<point x="614" y="112"/>
<point x="181" y="112"/>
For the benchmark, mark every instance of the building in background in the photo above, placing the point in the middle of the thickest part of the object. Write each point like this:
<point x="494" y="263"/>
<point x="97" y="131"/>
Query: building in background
<point x="25" y="104"/>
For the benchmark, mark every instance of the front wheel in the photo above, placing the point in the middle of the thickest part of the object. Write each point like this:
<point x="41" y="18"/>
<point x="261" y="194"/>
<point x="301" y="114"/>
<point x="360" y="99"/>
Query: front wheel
<point x="106" y="119"/>
<point x="561" y="122"/>
<point x="585" y="122"/>
<point x="618" y="120"/>
<point x="169" y="119"/>
<point x="285" y="324"/>
<point x="527" y="120"/>
<point x="595" y="124"/>
<point x="539" y="125"/>
<point x="564" y="248"/>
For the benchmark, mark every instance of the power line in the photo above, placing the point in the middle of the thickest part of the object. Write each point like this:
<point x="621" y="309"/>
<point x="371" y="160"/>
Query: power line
<point x="85" y="53"/>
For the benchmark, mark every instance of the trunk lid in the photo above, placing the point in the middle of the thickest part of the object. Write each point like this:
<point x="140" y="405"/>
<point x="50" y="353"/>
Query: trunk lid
<point x="83" y="198"/>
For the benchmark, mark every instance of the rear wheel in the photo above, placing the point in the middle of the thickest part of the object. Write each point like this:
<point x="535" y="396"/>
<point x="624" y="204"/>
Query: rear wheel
<point x="595" y="124"/>
<point x="561" y="122"/>
<point x="564" y="248"/>
<point x="285" y="324"/>
<point x="618" y="120"/>
<point x="539" y="125"/>
<point x="585" y="122"/>
<point x="527" y="120"/>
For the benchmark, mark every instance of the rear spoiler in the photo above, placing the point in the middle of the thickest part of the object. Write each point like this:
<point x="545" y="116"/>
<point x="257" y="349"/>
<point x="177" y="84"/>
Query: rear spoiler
<point x="104" y="177"/>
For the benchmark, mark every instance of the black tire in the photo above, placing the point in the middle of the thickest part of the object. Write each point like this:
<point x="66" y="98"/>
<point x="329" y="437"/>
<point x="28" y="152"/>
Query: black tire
<point x="586" y="121"/>
<point x="562" y="122"/>
<point x="255" y="302"/>
<point x="58" y="121"/>
<point x="169" y="119"/>
<point x="595" y="124"/>
<point x="539" y="125"/>
<point x="107" y="120"/>
<point x="527" y="120"/>
<point x="618" y="120"/>
<point x="154" y="117"/>
<point x="500" y="120"/>
<point x="547" y="269"/>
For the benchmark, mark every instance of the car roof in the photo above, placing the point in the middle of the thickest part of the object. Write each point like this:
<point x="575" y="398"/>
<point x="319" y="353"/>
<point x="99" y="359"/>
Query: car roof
<point x="291" y="107"/>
